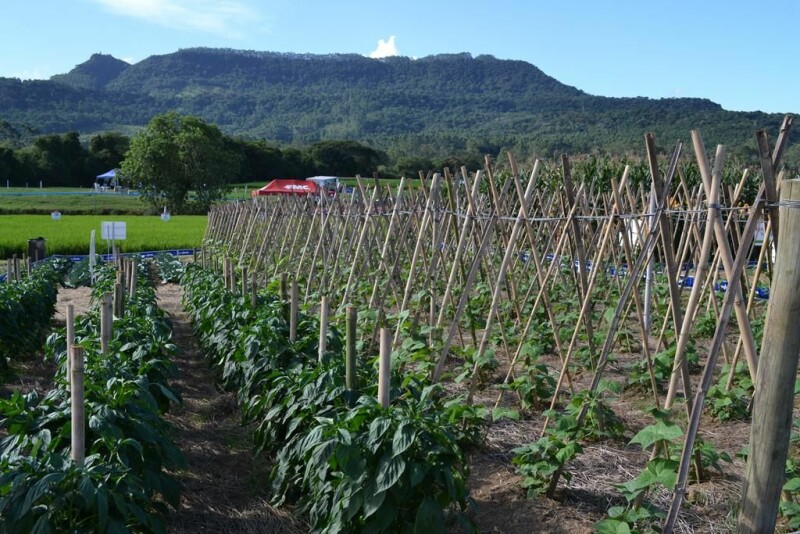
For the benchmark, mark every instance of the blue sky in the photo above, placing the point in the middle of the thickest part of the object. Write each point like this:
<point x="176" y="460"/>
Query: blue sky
<point x="741" y="54"/>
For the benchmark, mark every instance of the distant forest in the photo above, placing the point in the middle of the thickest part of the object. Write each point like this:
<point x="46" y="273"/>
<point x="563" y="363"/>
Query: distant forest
<point x="399" y="115"/>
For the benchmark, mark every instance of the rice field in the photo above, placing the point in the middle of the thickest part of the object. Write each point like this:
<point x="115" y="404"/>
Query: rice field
<point x="70" y="234"/>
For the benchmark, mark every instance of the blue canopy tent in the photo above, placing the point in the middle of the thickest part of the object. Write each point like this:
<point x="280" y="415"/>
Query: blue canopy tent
<point x="108" y="179"/>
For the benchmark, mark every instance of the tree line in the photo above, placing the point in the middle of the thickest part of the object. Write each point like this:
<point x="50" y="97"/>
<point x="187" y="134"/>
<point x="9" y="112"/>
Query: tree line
<point x="178" y="154"/>
<point x="69" y="160"/>
<point x="186" y="164"/>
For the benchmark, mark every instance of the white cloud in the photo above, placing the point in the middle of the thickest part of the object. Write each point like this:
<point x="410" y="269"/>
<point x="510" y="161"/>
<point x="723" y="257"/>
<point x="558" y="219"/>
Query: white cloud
<point x="220" y="17"/>
<point x="385" y="48"/>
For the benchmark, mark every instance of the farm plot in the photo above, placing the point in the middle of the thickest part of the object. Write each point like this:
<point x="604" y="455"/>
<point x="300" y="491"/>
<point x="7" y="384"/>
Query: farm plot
<point x="93" y="452"/>
<point x="70" y="234"/>
<point x="581" y="313"/>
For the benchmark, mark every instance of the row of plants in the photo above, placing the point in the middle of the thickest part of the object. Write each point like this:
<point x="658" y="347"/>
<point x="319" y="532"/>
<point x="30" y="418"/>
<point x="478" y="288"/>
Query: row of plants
<point x="343" y="460"/>
<point x="125" y="482"/>
<point x="25" y="311"/>
<point x="169" y="268"/>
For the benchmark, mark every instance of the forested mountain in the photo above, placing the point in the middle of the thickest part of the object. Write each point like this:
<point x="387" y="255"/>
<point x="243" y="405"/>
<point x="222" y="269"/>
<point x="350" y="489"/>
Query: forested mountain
<point x="409" y="107"/>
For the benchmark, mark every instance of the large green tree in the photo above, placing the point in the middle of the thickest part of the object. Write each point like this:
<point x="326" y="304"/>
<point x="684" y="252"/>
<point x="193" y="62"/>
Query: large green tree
<point x="346" y="158"/>
<point x="181" y="162"/>
<point x="107" y="150"/>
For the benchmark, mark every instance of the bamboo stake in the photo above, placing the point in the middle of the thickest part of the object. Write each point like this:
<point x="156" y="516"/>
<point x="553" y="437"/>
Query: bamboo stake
<point x="323" y="329"/>
<point x="383" y="264"/>
<point x="385" y="367"/>
<point x="70" y="342"/>
<point x="727" y="258"/>
<point x="708" y="371"/>
<point x="106" y="322"/>
<point x="694" y="296"/>
<point x="78" y="434"/>
<point x="351" y="376"/>
<point x="293" y="311"/>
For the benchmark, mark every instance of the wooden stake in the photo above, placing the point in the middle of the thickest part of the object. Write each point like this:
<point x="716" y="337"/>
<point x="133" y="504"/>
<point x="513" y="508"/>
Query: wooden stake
<point x="323" y="328"/>
<point x="293" y="313"/>
<point x="78" y="418"/>
<point x="106" y="322"/>
<point x="351" y="376"/>
<point x="385" y="367"/>
<point x="774" y="387"/>
<point x="70" y="341"/>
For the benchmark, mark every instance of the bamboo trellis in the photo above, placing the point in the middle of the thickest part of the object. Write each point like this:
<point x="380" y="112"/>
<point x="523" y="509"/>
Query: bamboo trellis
<point x="476" y="259"/>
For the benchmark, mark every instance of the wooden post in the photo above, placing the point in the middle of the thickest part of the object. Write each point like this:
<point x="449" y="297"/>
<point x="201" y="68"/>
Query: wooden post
<point x="119" y="299"/>
<point x="293" y="313"/>
<point x="323" y="328"/>
<point x="244" y="282"/>
<point x="774" y="387"/>
<point x="232" y="275"/>
<point x="254" y="293"/>
<point x="385" y="367"/>
<point x="134" y="282"/>
<point x="351" y="378"/>
<point x="78" y="431"/>
<point x="285" y="296"/>
<point x="17" y="274"/>
<point x="106" y="322"/>
<point x="70" y="341"/>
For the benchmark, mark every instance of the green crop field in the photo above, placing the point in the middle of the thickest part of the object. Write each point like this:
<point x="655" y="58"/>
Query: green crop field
<point x="70" y="235"/>
<point x="73" y="201"/>
<point x="82" y="201"/>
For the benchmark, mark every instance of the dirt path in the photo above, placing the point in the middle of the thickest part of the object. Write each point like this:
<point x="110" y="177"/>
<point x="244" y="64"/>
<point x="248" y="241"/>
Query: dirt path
<point x="223" y="484"/>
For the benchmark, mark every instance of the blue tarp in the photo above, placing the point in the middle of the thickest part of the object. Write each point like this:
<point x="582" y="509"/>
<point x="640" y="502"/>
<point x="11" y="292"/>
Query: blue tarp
<point x="110" y="174"/>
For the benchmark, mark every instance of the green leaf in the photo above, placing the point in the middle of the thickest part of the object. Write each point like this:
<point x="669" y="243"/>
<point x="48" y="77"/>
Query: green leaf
<point x="350" y="461"/>
<point x="37" y="490"/>
<point x="793" y="484"/>
<point x="660" y="431"/>
<point x="616" y="512"/>
<point x="612" y="526"/>
<point x="102" y="508"/>
<point x="377" y="429"/>
<point x="372" y="499"/>
<point x="86" y="490"/>
<point x="417" y="473"/>
<point x="403" y="438"/>
<point x="504" y="413"/>
<point x="665" y="472"/>
<point x="389" y="471"/>
<point x="42" y="525"/>
<point x="429" y="519"/>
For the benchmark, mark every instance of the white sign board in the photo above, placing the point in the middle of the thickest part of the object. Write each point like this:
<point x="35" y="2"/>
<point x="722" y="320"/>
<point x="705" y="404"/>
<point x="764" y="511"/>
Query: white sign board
<point x="114" y="231"/>
<point x="760" y="232"/>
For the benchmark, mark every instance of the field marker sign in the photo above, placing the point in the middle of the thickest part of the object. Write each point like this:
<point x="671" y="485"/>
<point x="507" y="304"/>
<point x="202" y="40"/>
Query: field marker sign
<point x="112" y="231"/>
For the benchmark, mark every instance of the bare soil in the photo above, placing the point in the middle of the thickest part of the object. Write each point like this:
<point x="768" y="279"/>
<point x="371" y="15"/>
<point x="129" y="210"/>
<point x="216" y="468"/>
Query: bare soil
<point x="224" y="485"/>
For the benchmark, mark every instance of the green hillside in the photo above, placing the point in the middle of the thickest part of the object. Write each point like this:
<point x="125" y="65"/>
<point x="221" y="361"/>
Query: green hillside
<point x="420" y="107"/>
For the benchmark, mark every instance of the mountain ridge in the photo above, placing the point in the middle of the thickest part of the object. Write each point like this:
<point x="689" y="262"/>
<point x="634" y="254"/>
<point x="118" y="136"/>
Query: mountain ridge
<point x="429" y="105"/>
